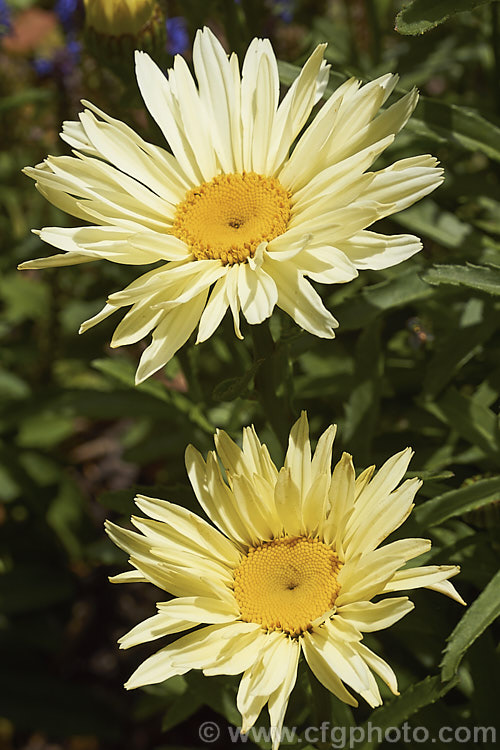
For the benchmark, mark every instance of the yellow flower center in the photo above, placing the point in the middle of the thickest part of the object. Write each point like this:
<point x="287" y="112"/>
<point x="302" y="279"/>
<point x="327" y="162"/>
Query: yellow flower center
<point x="287" y="583"/>
<point x="228" y="217"/>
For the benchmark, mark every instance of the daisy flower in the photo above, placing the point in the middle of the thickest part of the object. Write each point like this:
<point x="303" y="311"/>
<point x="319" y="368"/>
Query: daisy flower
<point x="233" y="216"/>
<point x="291" y="568"/>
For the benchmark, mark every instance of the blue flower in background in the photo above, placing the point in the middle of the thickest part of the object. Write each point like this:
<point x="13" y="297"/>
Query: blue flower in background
<point x="66" y="12"/>
<point x="64" y="60"/>
<point x="5" y="24"/>
<point x="177" y="35"/>
<point x="284" y="9"/>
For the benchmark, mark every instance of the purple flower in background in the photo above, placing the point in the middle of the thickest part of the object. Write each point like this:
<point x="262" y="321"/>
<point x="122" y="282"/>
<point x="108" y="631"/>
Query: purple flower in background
<point x="5" y="24"/>
<point x="177" y="35"/>
<point x="284" y="9"/>
<point x="62" y="62"/>
<point x="66" y="10"/>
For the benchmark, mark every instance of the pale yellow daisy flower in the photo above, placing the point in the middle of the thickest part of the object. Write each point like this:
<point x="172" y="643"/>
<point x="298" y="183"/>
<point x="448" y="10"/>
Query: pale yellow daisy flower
<point x="291" y="568"/>
<point x="237" y="217"/>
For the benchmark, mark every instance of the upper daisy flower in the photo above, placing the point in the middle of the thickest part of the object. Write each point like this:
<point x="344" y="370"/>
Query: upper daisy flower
<point x="240" y="218"/>
<point x="292" y="569"/>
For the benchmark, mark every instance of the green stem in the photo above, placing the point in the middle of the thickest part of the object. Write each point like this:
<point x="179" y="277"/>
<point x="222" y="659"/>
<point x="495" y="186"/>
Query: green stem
<point x="495" y="43"/>
<point x="268" y="380"/>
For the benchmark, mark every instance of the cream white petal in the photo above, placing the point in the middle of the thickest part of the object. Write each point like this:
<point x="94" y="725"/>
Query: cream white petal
<point x="389" y="122"/>
<point x="335" y="178"/>
<point x="197" y="277"/>
<point x="259" y="99"/>
<point x="426" y="576"/>
<point x="153" y="628"/>
<point x="297" y="104"/>
<point x="172" y="332"/>
<point x="137" y="323"/>
<point x="97" y="242"/>
<point x="179" y="580"/>
<point x="287" y="245"/>
<point x="448" y="589"/>
<point x="322" y="459"/>
<point x="157" y="94"/>
<point x="193" y="113"/>
<point x="372" y="250"/>
<point x="278" y="700"/>
<point x="365" y="574"/>
<point x="298" y="455"/>
<point x="362" y="480"/>
<point x="327" y="265"/>
<point x="114" y="146"/>
<point x="257" y="293"/>
<point x="262" y="678"/>
<point x="314" y="504"/>
<point x="341" y="501"/>
<point x="385" y="480"/>
<point x="190" y="530"/>
<point x="368" y="617"/>
<point x="150" y="284"/>
<point x="238" y="655"/>
<point x="198" y="609"/>
<point x="324" y="671"/>
<point x="288" y="503"/>
<point x="163" y="245"/>
<point x="404" y="182"/>
<point x="129" y="576"/>
<point x="168" y="176"/>
<point x="362" y="578"/>
<point x="214" y="311"/>
<point x="379" y="666"/>
<point x="343" y="660"/>
<point x="297" y="298"/>
<point x="220" y="97"/>
<point x="366" y="530"/>
<point x="192" y="651"/>
<point x="106" y="311"/>
<point x="71" y="258"/>
<point x="213" y="495"/>
<point x="232" y="278"/>
<point x="257" y="456"/>
<point x="261" y="521"/>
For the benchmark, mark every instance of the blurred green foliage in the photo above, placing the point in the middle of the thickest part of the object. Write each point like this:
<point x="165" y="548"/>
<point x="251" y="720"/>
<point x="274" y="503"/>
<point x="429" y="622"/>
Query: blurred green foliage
<point x="415" y="362"/>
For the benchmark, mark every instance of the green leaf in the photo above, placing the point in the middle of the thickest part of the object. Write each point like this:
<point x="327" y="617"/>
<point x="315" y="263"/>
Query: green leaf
<point x="473" y="421"/>
<point x="12" y="386"/>
<point x="482" y="278"/>
<point x="396" y="712"/>
<point x="458" y="348"/>
<point x="232" y="388"/>
<point x="476" y="619"/>
<point x="406" y="288"/>
<point x="421" y="15"/>
<point x="457" y="502"/>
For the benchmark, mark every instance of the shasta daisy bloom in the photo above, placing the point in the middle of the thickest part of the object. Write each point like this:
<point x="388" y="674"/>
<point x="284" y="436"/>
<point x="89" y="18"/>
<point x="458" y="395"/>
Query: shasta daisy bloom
<point x="291" y="568"/>
<point x="235" y="216"/>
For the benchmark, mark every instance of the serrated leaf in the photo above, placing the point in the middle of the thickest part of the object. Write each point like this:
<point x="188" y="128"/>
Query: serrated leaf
<point x="421" y="15"/>
<point x="400" y="709"/>
<point x="476" y="619"/>
<point x="482" y="278"/>
<point x="455" y="503"/>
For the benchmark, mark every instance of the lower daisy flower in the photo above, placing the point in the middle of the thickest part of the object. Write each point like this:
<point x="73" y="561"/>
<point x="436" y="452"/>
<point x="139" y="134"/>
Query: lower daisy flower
<point x="291" y="568"/>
